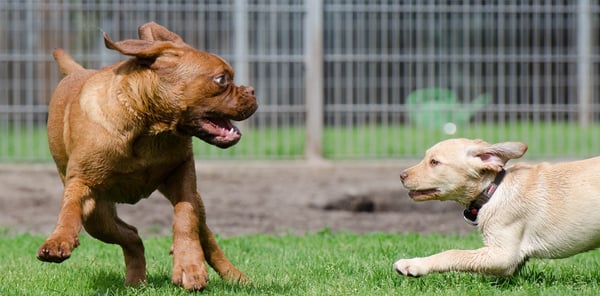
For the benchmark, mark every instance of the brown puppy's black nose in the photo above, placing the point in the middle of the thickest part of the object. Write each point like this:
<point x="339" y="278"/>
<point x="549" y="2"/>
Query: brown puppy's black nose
<point x="403" y="176"/>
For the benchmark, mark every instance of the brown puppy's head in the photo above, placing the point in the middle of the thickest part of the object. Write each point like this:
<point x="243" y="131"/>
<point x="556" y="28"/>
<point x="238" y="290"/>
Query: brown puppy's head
<point x="188" y="91"/>
<point x="458" y="169"/>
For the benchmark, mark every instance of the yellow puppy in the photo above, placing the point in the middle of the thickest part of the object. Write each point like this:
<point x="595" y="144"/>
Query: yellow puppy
<point x="523" y="211"/>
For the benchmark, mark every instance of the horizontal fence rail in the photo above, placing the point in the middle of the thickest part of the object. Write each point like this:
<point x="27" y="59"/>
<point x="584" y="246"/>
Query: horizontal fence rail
<point x="338" y="79"/>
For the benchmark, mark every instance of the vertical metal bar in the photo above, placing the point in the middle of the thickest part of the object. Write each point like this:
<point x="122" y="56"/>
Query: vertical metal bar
<point x="29" y="83"/>
<point x="313" y="60"/>
<point x="351" y="92"/>
<point x="584" y="62"/>
<point x="240" y="43"/>
<point x="240" y="33"/>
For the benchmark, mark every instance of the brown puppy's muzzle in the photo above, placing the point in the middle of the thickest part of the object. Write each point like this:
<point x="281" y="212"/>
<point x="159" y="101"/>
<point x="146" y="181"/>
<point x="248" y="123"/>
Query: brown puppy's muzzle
<point x="213" y="125"/>
<point x="246" y="103"/>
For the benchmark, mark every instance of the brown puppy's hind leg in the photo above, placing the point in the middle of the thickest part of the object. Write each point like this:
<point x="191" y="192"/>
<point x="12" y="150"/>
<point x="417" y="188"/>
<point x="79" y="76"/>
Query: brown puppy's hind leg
<point x="193" y="242"/>
<point x="104" y="224"/>
<point x="190" y="275"/>
<point x="215" y="256"/>
<point x="189" y="269"/>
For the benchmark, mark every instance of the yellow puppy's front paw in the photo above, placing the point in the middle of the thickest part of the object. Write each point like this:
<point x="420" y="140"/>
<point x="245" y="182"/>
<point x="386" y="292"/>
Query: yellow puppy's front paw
<point x="410" y="267"/>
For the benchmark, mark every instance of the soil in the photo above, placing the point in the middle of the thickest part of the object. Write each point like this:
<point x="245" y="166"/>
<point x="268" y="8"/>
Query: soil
<point x="249" y="198"/>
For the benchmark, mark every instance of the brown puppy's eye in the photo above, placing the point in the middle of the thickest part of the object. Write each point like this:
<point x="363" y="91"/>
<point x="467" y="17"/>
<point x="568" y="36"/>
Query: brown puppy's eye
<point x="221" y="80"/>
<point x="434" y="162"/>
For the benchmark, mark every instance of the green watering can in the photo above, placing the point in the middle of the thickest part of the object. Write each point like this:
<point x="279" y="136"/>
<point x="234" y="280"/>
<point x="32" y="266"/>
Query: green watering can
<point x="434" y="107"/>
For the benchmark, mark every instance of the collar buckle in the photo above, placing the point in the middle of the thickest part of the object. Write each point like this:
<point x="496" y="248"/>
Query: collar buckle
<point x="470" y="214"/>
<point x="471" y="220"/>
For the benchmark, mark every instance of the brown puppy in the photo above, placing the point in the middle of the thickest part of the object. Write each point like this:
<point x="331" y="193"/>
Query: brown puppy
<point x="119" y="133"/>
<point x="522" y="211"/>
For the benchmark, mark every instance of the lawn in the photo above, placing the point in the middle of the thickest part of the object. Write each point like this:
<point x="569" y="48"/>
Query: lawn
<point x="550" y="140"/>
<point x="322" y="263"/>
<point x="547" y="140"/>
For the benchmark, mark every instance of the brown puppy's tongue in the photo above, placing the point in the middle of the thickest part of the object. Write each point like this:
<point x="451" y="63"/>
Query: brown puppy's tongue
<point x="222" y="129"/>
<point x="219" y="127"/>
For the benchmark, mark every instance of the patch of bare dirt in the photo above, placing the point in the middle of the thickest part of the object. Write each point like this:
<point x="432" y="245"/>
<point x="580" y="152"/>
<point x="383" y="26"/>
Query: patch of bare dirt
<point x="249" y="198"/>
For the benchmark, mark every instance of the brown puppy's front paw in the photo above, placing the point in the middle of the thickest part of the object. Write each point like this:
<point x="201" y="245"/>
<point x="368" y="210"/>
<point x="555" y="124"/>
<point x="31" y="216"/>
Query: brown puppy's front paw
<point x="236" y="276"/>
<point x="57" y="250"/>
<point x="192" y="277"/>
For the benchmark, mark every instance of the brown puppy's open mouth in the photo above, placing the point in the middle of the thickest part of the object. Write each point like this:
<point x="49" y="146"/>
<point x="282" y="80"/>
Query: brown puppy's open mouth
<point x="420" y="195"/>
<point x="216" y="131"/>
<point x="220" y="132"/>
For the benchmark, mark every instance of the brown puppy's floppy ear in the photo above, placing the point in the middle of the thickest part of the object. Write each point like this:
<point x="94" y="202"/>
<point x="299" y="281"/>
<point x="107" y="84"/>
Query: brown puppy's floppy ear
<point x="138" y="48"/>
<point x="154" y="32"/>
<point x="494" y="156"/>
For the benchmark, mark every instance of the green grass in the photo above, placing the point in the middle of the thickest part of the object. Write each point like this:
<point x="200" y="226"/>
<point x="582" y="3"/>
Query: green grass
<point x="321" y="263"/>
<point x="555" y="139"/>
<point x="546" y="140"/>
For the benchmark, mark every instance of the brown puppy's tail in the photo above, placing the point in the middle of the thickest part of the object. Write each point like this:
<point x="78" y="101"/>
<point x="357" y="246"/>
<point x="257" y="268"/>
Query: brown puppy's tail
<point x="66" y="64"/>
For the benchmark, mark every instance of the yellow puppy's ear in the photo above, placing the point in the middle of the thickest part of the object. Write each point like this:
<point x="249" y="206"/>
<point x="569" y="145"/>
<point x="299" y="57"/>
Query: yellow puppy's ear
<point x="494" y="156"/>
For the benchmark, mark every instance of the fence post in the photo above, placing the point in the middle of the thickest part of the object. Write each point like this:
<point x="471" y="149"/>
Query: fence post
<point x="241" y="41"/>
<point x="584" y="62"/>
<point x="240" y="47"/>
<point x="313" y="61"/>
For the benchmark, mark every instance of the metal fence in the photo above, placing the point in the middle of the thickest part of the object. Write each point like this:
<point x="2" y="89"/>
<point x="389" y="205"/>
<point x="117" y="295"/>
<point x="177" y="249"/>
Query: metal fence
<point x="339" y="79"/>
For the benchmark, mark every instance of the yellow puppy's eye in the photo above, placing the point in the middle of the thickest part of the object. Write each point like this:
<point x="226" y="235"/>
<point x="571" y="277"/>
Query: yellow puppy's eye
<point x="434" y="162"/>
